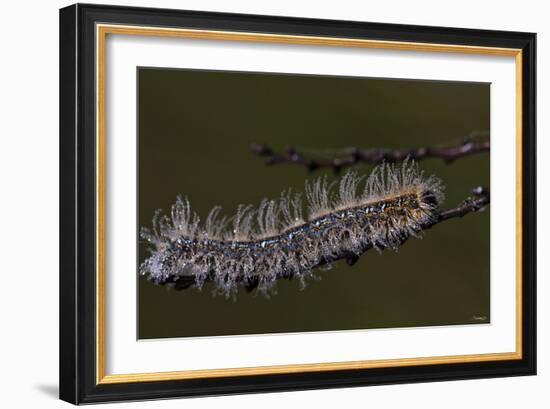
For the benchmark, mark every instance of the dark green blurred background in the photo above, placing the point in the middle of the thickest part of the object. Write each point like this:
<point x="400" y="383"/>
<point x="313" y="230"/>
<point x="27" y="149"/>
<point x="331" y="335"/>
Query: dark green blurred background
<point x="195" y="131"/>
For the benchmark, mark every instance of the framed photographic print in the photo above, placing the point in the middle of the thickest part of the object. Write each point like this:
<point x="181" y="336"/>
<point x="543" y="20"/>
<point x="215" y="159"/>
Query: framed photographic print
<point x="257" y="203"/>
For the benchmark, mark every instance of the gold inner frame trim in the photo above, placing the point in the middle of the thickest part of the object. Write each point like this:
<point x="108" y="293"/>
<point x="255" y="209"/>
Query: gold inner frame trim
<point x="101" y="33"/>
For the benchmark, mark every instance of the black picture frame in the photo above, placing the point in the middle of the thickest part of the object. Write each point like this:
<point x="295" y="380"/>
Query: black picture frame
<point x="78" y="317"/>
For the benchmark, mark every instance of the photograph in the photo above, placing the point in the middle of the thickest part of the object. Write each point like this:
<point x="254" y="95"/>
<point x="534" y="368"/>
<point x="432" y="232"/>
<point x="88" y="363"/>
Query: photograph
<point x="263" y="203"/>
<point x="282" y="203"/>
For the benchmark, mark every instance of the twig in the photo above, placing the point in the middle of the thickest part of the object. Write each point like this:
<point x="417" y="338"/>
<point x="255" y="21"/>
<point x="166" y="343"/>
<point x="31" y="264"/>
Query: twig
<point x="478" y="201"/>
<point x="469" y="146"/>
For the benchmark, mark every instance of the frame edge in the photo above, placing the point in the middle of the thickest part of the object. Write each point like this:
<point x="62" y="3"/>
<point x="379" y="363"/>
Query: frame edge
<point x="529" y="222"/>
<point x="68" y="337"/>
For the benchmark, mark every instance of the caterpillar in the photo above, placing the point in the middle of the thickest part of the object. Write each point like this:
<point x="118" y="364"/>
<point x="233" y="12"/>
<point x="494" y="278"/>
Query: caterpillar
<point x="275" y="240"/>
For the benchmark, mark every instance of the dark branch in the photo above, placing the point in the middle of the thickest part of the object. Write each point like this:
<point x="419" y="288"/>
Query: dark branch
<point x="478" y="201"/>
<point x="469" y="146"/>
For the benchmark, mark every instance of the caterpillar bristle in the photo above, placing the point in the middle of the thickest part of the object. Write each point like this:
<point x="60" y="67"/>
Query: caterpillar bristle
<point x="275" y="241"/>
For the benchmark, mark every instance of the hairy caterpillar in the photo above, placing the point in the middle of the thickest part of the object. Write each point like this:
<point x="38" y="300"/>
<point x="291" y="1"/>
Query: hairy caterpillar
<point x="276" y="241"/>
